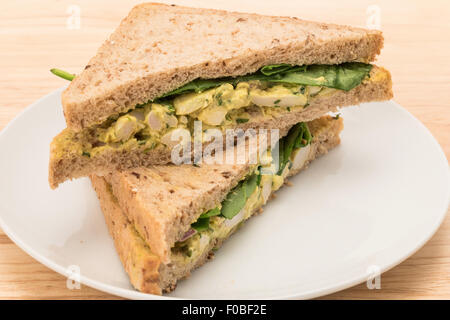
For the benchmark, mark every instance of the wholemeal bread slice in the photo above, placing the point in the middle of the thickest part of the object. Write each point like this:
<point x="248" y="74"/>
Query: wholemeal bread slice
<point x="158" y="48"/>
<point x="143" y="207"/>
<point x="164" y="200"/>
<point x="67" y="162"/>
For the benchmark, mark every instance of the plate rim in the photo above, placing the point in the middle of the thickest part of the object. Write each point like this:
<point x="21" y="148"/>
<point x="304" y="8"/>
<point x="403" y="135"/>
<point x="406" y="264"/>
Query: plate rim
<point x="134" y="294"/>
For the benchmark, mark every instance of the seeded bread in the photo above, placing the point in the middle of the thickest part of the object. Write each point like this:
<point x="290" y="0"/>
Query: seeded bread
<point x="158" y="48"/>
<point x="146" y="269"/>
<point x="163" y="201"/>
<point x="139" y="262"/>
<point x="69" y="164"/>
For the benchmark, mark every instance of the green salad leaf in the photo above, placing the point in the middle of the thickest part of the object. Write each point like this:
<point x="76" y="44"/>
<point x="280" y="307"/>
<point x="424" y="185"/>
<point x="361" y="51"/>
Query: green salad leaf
<point x="197" y="85"/>
<point x="304" y="138"/>
<point x="280" y="68"/>
<point x="235" y="201"/>
<point x="281" y="161"/>
<point x="288" y="146"/>
<point x="210" y="213"/>
<point x="343" y="76"/>
<point x="251" y="184"/>
<point x="274" y="69"/>
<point x="201" y="224"/>
<point x="298" y="136"/>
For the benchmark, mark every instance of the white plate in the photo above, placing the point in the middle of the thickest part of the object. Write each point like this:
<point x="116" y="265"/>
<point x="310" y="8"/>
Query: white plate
<point x="368" y="204"/>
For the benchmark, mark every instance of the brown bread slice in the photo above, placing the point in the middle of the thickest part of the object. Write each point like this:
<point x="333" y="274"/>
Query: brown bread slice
<point x="158" y="48"/>
<point x="157" y="205"/>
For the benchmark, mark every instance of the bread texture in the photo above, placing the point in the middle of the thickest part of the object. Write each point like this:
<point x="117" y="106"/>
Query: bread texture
<point x="73" y="164"/>
<point x="131" y="229"/>
<point x="162" y="202"/>
<point x="139" y="262"/>
<point x="158" y="48"/>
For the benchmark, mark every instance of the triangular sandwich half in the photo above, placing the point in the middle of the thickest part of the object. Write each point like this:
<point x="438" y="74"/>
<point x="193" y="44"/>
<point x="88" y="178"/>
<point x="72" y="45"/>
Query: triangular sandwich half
<point x="166" y="67"/>
<point x="167" y="220"/>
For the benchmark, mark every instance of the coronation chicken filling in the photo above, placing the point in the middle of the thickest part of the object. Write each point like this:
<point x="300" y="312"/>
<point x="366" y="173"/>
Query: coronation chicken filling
<point x="221" y="107"/>
<point x="220" y="103"/>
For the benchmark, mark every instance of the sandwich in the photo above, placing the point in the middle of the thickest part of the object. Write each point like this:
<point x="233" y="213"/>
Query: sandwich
<point x="167" y="220"/>
<point x="166" y="68"/>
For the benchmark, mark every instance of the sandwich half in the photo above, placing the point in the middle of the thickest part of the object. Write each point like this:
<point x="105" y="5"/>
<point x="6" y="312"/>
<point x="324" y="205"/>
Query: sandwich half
<point x="168" y="220"/>
<point x="167" y="67"/>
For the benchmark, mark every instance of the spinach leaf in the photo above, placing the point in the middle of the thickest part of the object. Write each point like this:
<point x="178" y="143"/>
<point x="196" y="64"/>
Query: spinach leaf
<point x="210" y="213"/>
<point x="251" y="185"/>
<point x="198" y="85"/>
<point x="298" y="136"/>
<point x="350" y="75"/>
<point x="281" y="160"/>
<point x="288" y="145"/>
<point x="201" y="224"/>
<point x="280" y="68"/>
<point x="304" y="138"/>
<point x="203" y="221"/>
<point x="259" y="176"/>
<point x="344" y="76"/>
<point x="235" y="201"/>
<point x="275" y="68"/>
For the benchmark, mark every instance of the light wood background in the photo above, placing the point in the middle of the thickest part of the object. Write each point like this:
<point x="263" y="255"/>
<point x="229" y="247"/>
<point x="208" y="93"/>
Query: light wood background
<point x="36" y="36"/>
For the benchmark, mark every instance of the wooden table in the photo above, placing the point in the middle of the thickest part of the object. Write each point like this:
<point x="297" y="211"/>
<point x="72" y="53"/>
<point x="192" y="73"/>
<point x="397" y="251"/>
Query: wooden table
<point x="38" y="35"/>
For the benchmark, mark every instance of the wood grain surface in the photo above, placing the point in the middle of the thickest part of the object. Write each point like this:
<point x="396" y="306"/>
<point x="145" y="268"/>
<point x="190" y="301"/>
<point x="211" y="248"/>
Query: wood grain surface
<point x="38" y="35"/>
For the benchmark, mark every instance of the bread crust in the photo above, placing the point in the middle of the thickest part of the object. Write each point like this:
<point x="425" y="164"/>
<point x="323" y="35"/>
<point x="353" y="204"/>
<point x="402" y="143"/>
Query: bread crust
<point x="158" y="48"/>
<point x="74" y="165"/>
<point x="146" y="270"/>
<point x="139" y="262"/>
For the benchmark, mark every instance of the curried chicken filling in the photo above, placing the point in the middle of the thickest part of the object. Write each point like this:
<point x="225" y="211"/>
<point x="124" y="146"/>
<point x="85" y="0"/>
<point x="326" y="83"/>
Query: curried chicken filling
<point x="218" y="103"/>
<point x="221" y="107"/>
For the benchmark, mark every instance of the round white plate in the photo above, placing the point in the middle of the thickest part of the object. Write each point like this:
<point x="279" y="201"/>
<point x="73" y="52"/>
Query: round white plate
<point x="366" y="206"/>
